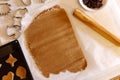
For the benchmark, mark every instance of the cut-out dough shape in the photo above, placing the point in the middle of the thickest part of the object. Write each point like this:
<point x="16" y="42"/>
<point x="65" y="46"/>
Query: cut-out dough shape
<point x="21" y="72"/>
<point x="11" y="60"/>
<point x="9" y="76"/>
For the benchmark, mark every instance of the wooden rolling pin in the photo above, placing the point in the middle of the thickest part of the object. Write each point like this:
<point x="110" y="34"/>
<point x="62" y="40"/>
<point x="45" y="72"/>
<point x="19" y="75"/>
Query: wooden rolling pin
<point x="97" y="27"/>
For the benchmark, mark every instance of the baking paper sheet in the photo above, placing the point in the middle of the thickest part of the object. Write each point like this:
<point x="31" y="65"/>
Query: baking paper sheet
<point x="103" y="57"/>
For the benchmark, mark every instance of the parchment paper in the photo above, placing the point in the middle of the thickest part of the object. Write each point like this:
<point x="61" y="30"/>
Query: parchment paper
<point x="103" y="57"/>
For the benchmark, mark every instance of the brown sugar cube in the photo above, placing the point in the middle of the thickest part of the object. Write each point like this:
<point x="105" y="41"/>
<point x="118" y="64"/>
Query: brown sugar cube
<point x="9" y="76"/>
<point x="21" y="72"/>
<point x="11" y="60"/>
<point x="52" y="43"/>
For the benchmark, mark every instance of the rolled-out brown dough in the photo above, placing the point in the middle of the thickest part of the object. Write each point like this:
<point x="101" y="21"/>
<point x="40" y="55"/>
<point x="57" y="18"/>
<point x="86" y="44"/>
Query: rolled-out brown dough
<point x="52" y="43"/>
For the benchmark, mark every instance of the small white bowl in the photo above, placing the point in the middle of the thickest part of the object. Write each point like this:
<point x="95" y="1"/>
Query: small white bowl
<point x="91" y="9"/>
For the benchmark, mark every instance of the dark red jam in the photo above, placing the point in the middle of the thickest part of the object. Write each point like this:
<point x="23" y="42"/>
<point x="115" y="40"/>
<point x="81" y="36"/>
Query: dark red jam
<point x="93" y="3"/>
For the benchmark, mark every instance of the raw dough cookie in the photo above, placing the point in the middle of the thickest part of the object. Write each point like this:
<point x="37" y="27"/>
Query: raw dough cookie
<point x="21" y="72"/>
<point x="9" y="76"/>
<point x="11" y="60"/>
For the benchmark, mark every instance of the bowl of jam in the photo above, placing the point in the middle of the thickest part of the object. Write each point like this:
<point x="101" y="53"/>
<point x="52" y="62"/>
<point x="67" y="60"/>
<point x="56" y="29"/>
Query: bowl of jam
<point x="92" y="5"/>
